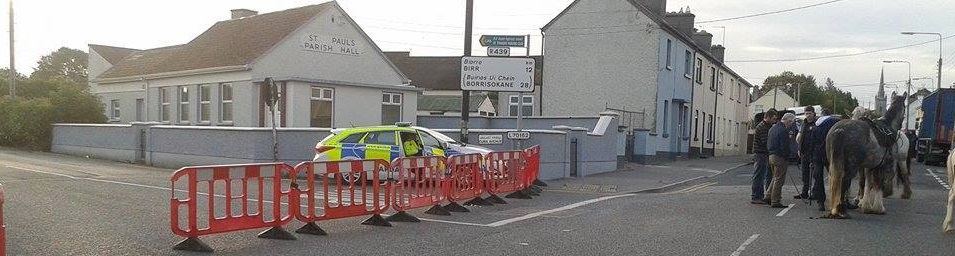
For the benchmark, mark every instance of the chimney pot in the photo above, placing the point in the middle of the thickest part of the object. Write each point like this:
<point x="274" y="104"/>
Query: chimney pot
<point x="242" y="13"/>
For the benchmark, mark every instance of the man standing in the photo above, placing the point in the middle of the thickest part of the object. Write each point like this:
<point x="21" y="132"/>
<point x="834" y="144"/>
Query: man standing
<point x="805" y="150"/>
<point x="819" y="161"/>
<point x="779" y="150"/>
<point x="760" y="141"/>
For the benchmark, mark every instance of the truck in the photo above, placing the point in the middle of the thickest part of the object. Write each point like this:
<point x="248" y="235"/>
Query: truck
<point x="938" y="123"/>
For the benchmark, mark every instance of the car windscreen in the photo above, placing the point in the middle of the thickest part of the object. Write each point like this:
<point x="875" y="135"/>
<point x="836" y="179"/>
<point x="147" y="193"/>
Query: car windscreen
<point x="438" y="135"/>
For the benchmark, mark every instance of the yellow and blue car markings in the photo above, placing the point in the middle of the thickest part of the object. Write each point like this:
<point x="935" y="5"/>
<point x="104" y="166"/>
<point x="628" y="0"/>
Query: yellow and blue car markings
<point x="373" y="151"/>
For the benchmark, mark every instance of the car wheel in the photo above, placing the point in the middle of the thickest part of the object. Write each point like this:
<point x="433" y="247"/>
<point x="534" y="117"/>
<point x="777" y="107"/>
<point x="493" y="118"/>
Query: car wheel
<point x="352" y="178"/>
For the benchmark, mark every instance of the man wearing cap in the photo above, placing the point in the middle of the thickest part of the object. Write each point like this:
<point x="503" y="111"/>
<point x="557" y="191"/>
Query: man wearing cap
<point x="804" y="142"/>
<point x="779" y="150"/>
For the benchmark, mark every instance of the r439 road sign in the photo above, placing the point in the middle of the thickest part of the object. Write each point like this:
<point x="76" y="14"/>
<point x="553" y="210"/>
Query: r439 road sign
<point x="497" y="51"/>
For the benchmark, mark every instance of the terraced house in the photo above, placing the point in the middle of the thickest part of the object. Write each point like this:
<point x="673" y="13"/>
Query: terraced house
<point x="327" y="70"/>
<point x="675" y="95"/>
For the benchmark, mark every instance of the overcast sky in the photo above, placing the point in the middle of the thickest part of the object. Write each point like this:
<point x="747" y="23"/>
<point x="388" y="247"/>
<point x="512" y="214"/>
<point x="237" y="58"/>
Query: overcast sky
<point x="435" y="28"/>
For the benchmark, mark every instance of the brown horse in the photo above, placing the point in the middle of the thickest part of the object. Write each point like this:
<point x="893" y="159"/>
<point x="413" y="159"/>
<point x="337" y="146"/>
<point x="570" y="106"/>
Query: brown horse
<point x="853" y="147"/>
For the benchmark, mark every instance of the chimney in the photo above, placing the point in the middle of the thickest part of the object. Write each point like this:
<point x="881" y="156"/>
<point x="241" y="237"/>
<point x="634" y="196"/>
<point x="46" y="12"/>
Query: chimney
<point x="718" y="51"/>
<point x="658" y="7"/>
<point x="703" y="39"/>
<point x="242" y="13"/>
<point x="682" y="21"/>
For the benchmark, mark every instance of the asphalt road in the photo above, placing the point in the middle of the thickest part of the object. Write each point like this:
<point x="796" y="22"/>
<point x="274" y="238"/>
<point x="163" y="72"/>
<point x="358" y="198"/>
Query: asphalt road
<point x="58" y="205"/>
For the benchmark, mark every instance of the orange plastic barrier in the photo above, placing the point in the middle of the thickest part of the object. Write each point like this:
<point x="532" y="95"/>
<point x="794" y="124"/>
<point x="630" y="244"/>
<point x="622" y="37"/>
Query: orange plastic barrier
<point x="238" y="212"/>
<point x="465" y="182"/>
<point x="505" y="174"/>
<point x="532" y="166"/>
<point x="420" y="182"/>
<point x="324" y="189"/>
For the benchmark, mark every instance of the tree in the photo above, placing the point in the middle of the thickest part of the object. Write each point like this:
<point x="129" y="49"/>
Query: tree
<point x="789" y="82"/>
<point x="64" y="63"/>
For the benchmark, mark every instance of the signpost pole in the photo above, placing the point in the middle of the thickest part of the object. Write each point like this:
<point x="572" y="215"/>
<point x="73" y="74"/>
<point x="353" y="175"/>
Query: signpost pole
<point x="520" y="97"/>
<point x="465" y="94"/>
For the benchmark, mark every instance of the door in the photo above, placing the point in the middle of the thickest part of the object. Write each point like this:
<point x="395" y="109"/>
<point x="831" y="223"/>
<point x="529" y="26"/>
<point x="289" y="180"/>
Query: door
<point x="381" y="145"/>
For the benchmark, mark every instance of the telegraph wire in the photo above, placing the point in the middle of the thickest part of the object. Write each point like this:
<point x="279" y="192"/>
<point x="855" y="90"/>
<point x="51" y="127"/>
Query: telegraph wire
<point x="838" y="55"/>
<point x="768" y="13"/>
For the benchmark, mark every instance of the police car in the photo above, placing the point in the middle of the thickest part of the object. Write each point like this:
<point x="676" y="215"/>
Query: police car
<point x="387" y="143"/>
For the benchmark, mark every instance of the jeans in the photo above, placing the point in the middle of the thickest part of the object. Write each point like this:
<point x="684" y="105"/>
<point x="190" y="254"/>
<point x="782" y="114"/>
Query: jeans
<point x="818" y="192"/>
<point x="805" y="168"/>
<point x="779" y="165"/>
<point x="761" y="177"/>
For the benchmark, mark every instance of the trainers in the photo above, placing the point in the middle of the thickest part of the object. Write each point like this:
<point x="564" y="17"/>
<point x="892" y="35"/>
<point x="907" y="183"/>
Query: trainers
<point x="777" y="205"/>
<point x="757" y="201"/>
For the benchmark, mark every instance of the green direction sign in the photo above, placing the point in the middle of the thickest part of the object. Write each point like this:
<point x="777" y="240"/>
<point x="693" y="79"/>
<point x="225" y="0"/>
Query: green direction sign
<point x="499" y="40"/>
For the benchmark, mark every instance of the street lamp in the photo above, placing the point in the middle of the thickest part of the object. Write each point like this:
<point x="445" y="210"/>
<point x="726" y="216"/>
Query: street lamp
<point x="938" y="102"/>
<point x="908" y="90"/>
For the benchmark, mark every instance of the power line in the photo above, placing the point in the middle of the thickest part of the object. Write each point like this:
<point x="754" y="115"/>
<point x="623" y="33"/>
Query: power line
<point x="419" y="45"/>
<point x="839" y="55"/>
<point x="768" y="13"/>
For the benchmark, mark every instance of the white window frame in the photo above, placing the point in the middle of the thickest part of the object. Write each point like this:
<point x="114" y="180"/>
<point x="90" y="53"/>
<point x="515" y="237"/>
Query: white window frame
<point x="183" y="104"/>
<point x="223" y="101"/>
<point x="392" y="102"/>
<point x="688" y="69"/>
<point x="511" y="102"/>
<point x="204" y="103"/>
<point x="330" y="97"/>
<point x="669" y="54"/>
<point x="114" y="110"/>
<point x="164" y="105"/>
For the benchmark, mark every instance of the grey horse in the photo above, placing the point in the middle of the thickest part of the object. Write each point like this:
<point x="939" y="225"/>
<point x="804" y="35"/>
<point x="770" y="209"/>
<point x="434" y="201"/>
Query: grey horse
<point x="853" y="148"/>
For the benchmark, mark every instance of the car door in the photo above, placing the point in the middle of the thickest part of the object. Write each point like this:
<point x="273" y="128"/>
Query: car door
<point x="432" y="146"/>
<point x="381" y="145"/>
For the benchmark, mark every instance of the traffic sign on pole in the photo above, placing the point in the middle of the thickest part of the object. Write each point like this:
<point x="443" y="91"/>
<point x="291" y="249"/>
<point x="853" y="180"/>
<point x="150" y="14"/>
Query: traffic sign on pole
<point x="500" y="40"/>
<point x="497" y="51"/>
<point x="497" y="74"/>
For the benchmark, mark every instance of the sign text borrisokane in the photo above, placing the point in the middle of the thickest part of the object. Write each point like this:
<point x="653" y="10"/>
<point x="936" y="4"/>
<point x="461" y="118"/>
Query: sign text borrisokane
<point x="331" y="44"/>
<point x="497" y="74"/>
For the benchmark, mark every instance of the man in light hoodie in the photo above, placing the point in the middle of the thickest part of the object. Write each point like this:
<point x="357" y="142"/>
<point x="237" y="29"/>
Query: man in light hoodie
<point x="819" y="161"/>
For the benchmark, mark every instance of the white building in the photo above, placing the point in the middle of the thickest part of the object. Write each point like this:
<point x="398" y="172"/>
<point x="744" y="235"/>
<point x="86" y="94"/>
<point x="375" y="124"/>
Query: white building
<point x="328" y="71"/>
<point x="775" y="98"/>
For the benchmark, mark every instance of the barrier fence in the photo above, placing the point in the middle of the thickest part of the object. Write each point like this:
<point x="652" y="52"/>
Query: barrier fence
<point x="353" y="199"/>
<point x="217" y="199"/>
<point x="237" y="211"/>
<point x="3" y="227"/>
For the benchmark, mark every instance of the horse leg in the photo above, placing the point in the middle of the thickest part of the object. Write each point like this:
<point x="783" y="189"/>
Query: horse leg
<point x="837" y="195"/>
<point x="887" y="183"/>
<point x="905" y="176"/>
<point x="860" y="192"/>
<point x="872" y="200"/>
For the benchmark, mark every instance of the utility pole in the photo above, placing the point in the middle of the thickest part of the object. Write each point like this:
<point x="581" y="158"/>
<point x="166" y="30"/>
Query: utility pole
<point x="465" y="94"/>
<point x="13" y="69"/>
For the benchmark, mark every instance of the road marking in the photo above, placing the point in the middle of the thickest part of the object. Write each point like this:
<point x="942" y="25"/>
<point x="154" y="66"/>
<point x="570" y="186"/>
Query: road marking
<point x="743" y="246"/>
<point x="940" y="181"/>
<point x="784" y="211"/>
<point x="706" y="170"/>
<point x="701" y="186"/>
<point x="455" y="222"/>
<point x="567" y="207"/>
<point x="50" y="173"/>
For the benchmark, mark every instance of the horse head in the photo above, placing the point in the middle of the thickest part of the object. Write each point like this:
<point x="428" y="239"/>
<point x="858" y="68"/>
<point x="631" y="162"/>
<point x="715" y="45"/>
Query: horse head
<point x="893" y="116"/>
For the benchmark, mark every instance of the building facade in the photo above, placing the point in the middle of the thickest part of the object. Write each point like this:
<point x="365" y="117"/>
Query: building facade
<point x="635" y="58"/>
<point x="327" y="72"/>
<point x="775" y="98"/>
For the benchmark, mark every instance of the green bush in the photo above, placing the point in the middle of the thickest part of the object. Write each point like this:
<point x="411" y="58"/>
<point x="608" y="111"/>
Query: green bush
<point x="26" y="123"/>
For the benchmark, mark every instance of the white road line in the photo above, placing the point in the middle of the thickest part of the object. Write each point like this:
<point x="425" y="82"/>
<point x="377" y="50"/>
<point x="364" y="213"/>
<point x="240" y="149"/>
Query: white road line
<point x="743" y="246"/>
<point x="940" y="181"/>
<point x="50" y="173"/>
<point x="700" y="187"/>
<point x="455" y="222"/>
<point x="784" y="211"/>
<point x="568" y="207"/>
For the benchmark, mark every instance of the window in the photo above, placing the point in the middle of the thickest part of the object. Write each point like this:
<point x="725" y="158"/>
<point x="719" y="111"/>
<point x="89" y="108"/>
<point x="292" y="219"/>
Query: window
<point x="733" y="84"/>
<point x="381" y="138"/>
<point x="163" y="105"/>
<point x="666" y="112"/>
<point x="709" y="136"/>
<point x="528" y="107"/>
<point x="696" y="126"/>
<point x="669" y="53"/>
<point x="205" y="102"/>
<point x="428" y="140"/>
<point x="354" y="138"/>
<point x="390" y="108"/>
<point x="684" y="133"/>
<point x="225" y="103"/>
<point x="729" y="133"/>
<point x="699" y="71"/>
<point x="321" y="107"/>
<point x="184" y="104"/>
<point x="713" y="79"/>
<point x="688" y="68"/>
<point x="719" y="83"/>
<point x="139" y="110"/>
<point x="114" y="110"/>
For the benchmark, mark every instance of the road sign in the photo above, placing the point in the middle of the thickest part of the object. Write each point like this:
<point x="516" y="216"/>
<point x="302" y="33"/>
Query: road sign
<point x="521" y="135"/>
<point x="497" y="74"/>
<point x="495" y="139"/>
<point x="499" y="40"/>
<point x="497" y="51"/>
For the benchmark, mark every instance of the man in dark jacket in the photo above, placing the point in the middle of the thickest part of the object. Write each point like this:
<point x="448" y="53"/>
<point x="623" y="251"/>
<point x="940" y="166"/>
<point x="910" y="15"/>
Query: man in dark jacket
<point x="805" y="150"/>
<point x="780" y="140"/>
<point x="819" y="160"/>
<point x="761" y="173"/>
